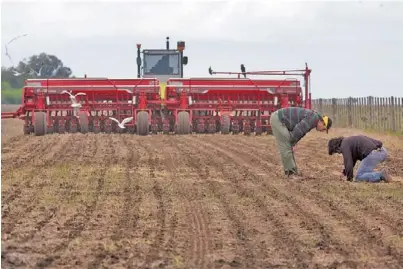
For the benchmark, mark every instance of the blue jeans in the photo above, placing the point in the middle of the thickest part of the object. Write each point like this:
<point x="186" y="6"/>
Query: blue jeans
<point x="366" y="171"/>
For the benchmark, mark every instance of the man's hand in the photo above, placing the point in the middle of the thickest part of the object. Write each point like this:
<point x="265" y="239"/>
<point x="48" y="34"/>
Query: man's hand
<point x="343" y="174"/>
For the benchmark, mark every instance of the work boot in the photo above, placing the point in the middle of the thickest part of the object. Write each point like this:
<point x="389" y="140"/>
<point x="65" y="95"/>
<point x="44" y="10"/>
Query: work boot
<point x="293" y="175"/>
<point x="386" y="176"/>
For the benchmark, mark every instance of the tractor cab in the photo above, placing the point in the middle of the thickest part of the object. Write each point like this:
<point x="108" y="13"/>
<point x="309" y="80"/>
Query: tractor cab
<point x="161" y="64"/>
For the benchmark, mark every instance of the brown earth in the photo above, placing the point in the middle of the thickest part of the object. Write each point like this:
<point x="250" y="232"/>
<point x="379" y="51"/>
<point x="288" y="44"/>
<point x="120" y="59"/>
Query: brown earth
<point x="196" y="201"/>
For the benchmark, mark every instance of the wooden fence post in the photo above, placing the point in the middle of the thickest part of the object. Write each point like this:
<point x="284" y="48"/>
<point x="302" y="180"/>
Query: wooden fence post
<point x="371" y="112"/>
<point x="321" y="105"/>
<point x="393" y="115"/>
<point x="399" y="115"/>
<point x="349" y="112"/>
<point x="378" y="113"/>
<point x="334" y="109"/>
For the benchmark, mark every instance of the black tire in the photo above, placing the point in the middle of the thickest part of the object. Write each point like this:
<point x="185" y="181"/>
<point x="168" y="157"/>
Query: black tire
<point x="226" y="125"/>
<point x="40" y="126"/>
<point x="26" y="129"/>
<point x="142" y="123"/>
<point x="73" y="128"/>
<point x="183" y="123"/>
<point x="84" y="122"/>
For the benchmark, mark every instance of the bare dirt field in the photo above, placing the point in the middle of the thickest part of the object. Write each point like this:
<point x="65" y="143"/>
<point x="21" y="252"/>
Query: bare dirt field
<point x="196" y="201"/>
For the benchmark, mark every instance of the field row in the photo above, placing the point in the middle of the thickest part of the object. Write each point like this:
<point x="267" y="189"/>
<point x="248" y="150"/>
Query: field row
<point x="197" y="201"/>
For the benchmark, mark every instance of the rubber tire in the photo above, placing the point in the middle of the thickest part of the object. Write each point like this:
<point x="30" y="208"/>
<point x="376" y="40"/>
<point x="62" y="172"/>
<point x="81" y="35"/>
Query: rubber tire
<point x="183" y="123"/>
<point x="226" y="125"/>
<point x="40" y="127"/>
<point x="142" y="123"/>
<point x="84" y="122"/>
<point x="26" y="130"/>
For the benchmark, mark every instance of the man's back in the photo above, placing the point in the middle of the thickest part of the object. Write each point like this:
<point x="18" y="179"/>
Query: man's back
<point x="359" y="146"/>
<point x="291" y="116"/>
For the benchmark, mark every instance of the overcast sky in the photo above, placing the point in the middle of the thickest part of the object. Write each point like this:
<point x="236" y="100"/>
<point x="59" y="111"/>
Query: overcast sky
<point x="353" y="48"/>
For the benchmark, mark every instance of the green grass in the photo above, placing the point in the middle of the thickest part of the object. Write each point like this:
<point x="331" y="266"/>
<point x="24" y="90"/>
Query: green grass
<point x="11" y="96"/>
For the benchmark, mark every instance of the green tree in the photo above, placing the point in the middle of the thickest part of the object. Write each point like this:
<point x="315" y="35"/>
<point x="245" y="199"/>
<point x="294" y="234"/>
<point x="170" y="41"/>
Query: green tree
<point x="10" y="95"/>
<point x="37" y="66"/>
<point x="44" y="66"/>
<point x="8" y="75"/>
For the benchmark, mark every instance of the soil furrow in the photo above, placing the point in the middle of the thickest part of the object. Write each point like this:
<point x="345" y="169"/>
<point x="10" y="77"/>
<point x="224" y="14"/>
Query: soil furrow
<point x="13" y="143"/>
<point x="371" y="242"/>
<point x="198" y="241"/>
<point x="47" y="214"/>
<point x="205" y="234"/>
<point x="252" y="173"/>
<point x="66" y="188"/>
<point x="33" y="168"/>
<point x="16" y="157"/>
<point x="356" y="207"/>
<point x="114" y="159"/>
<point x="236" y="216"/>
<point x="157" y="254"/>
<point x="286" y="241"/>
<point x="50" y="213"/>
<point x="377" y="210"/>
<point x="383" y="212"/>
<point x="131" y="189"/>
<point x="16" y="196"/>
<point x="196" y="230"/>
<point x="76" y="224"/>
<point x="124" y="232"/>
<point x="304" y="196"/>
<point x="38" y="147"/>
<point x="161" y="211"/>
<point x="191" y="201"/>
<point x="57" y="153"/>
<point x="323" y="173"/>
<point x="199" y="234"/>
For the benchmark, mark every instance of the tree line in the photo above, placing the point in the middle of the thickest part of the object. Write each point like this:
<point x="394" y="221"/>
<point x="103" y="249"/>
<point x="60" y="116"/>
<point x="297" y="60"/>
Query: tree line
<point x="37" y="66"/>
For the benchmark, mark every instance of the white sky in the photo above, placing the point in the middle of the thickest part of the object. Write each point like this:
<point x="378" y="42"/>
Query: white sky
<point x="354" y="48"/>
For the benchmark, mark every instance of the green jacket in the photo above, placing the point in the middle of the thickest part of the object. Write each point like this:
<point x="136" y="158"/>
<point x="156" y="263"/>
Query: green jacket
<point x="299" y="121"/>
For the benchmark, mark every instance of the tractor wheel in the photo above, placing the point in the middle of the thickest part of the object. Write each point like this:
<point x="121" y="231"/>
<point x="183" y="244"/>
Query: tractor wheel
<point x="183" y="123"/>
<point x="84" y="123"/>
<point x="226" y="124"/>
<point x="40" y="126"/>
<point x="50" y="130"/>
<point x="26" y="129"/>
<point x="142" y="123"/>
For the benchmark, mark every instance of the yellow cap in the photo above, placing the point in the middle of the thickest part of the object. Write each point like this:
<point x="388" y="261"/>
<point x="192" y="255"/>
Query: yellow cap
<point x="325" y="120"/>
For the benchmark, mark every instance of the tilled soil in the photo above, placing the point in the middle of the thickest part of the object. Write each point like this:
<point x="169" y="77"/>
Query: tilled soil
<point x="196" y="201"/>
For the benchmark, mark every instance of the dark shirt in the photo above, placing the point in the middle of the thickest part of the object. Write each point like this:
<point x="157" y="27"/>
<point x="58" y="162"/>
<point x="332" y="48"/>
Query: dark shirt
<point x="299" y="121"/>
<point x="356" y="148"/>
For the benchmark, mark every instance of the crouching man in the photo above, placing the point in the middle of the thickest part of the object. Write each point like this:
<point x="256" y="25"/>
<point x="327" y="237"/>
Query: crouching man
<point x="370" y="152"/>
<point x="290" y="125"/>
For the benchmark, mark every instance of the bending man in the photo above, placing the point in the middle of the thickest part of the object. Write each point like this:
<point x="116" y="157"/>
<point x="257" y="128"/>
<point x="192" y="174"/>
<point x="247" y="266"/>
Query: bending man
<point x="289" y="125"/>
<point x="360" y="148"/>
